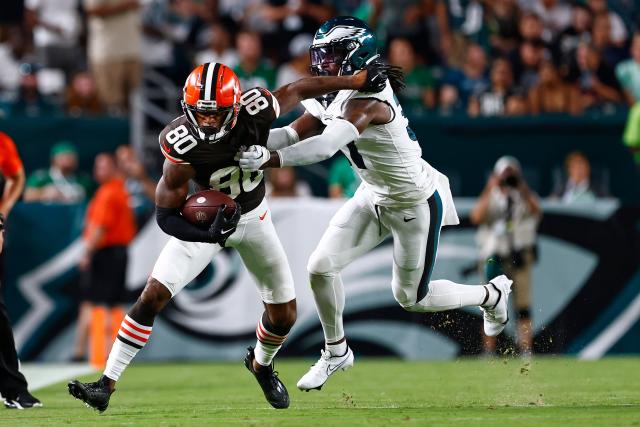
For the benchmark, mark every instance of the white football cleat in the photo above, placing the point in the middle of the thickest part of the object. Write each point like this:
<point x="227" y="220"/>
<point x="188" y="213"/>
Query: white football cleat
<point x="497" y="316"/>
<point x="324" y="368"/>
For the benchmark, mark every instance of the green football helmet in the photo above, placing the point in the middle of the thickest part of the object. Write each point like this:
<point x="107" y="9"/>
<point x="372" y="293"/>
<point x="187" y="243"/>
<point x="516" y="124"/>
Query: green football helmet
<point x="341" y="46"/>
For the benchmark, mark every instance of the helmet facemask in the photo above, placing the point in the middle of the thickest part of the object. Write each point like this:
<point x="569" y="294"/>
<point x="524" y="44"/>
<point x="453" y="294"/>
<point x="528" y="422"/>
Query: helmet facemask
<point x="217" y="121"/>
<point x="332" y="59"/>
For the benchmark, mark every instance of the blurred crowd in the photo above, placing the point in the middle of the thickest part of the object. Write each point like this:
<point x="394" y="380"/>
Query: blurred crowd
<point x="475" y="57"/>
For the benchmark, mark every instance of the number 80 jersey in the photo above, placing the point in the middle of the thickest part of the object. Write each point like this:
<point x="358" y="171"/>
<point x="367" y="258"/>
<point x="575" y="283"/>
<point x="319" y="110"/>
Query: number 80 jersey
<point x="215" y="163"/>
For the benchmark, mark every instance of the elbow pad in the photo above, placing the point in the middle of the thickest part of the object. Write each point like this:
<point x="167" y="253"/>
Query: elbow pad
<point x="337" y="134"/>
<point x="282" y="137"/>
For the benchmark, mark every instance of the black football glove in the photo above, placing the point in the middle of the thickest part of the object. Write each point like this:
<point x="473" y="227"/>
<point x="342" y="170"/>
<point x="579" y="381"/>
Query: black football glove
<point x="222" y="227"/>
<point x="377" y="75"/>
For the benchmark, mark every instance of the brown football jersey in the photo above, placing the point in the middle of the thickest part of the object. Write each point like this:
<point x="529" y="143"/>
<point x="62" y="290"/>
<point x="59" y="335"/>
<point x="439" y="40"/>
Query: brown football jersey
<point x="215" y="163"/>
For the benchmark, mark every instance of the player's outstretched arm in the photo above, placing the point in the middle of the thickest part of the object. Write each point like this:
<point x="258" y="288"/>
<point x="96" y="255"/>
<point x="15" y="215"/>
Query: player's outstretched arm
<point x="372" y="79"/>
<point x="359" y="113"/>
<point x="303" y="127"/>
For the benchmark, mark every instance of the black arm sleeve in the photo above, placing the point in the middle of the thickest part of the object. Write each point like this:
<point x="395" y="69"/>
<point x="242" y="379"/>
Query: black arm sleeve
<point x="172" y="223"/>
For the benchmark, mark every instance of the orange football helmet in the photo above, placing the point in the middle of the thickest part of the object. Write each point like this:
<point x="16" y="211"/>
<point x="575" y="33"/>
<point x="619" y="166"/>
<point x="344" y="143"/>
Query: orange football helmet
<point x="211" y="100"/>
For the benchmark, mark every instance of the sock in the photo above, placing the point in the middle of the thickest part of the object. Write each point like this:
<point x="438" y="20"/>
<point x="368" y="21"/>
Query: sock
<point x="328" y="294"/>
<point x="132" y="336"/>
<point x="447" y="295"/>
<point x="337" y="349"/>
<point x="268" y="342"/>
<point x="491" y="296"/>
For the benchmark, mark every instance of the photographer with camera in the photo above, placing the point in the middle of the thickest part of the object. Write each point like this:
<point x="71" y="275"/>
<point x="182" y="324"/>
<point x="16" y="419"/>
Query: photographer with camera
<point x="507" y="213"/>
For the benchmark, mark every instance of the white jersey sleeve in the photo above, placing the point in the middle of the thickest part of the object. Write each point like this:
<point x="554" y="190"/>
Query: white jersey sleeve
<point x="387" y="157"/>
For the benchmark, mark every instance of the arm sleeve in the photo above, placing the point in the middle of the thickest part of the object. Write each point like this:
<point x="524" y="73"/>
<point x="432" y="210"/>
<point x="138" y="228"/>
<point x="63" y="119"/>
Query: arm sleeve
<point x="336" y="135"/>
<point x="172" y="223"/>
<point x="282" y="138"/>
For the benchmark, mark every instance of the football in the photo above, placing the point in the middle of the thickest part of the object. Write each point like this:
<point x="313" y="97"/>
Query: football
<point x="201" y="208"/>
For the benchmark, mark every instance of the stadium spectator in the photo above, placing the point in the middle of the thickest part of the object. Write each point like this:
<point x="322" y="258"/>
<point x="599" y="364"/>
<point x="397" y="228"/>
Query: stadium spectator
<point x="610" y="53"/>
<point x="299" y="65"/>
<point x="421" y="82"/>
<point x="628" y="73"/>
<point x="61" y="182"/>
<point x="460" y="84"/>
<point x="578" y="185"/>
<point x="527" y="64"/>
<point x="502" y="24"/>
<point x="343" y="181"/>
<point x="31" y="102"/>
<point x="567" y="42"/>
<point x="252" y="69"/>
<point x="56" y="30"/>
<point x="501" y="98"/>
<point x="553" y="95"/>
<point x="141" y="188"/>
<point x="530" y="27"/>
<point x="281" y="20"/>
<point x="13" y="385"/>
<point x="414" y="20"/>
<point x="555" y="16"/>
<point x="507" y="213"/>
<point x="113" y="49"/>
<point x="618" y="31"/>
<point x="109" y="228"/>
<point x="282" y="182"/>
<point x="220" y="48"/>
<point x="12" y="51"/>
<point x="82" y="96"/>
<point x="596" y="80"/>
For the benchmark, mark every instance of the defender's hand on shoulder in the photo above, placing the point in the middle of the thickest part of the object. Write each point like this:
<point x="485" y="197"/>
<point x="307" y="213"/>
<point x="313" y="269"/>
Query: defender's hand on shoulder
<point x="254" y="157"/>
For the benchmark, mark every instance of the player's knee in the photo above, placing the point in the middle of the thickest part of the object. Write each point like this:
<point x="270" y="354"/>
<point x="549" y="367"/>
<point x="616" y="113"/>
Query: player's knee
<point x="320" y="264"/>
<point x="154" y="297"/>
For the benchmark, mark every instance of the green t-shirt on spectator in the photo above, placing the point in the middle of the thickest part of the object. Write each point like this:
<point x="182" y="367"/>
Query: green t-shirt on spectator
<point x="628" y="74"/>
<point x="341" y="174"/>
<point x="263" y="76"/>
<point x="73" y="188"/>
<point x="417" y="80"/>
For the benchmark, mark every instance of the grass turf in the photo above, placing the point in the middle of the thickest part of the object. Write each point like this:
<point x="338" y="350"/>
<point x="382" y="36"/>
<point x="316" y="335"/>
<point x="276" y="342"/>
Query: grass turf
<point x="548" y="391"/>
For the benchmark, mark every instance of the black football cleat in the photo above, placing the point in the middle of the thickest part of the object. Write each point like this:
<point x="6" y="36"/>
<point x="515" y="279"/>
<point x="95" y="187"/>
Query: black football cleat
<point x="274" y="391"/>
<point x="24" y="400"/>
<point x="95" y="395"/>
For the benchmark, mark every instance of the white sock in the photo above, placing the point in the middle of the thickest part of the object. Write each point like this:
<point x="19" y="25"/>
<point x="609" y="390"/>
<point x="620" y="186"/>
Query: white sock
<point x="132" y="336"/>
<point x="491" y="295"/>
<point x="267" y="344"/>
<point x="328" y="293"/>
<point x="338" y="349"/>
<point x="447" y="295"/>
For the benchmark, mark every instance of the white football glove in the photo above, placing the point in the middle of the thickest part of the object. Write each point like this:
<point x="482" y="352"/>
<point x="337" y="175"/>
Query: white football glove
<point x="254" y="157"/>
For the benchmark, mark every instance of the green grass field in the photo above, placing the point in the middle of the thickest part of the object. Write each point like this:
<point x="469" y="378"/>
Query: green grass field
<point x="509" y="392"/>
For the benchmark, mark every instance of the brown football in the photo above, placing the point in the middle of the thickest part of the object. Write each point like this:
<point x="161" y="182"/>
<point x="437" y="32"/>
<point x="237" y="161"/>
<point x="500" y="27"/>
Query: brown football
<point x="201" y="208"/>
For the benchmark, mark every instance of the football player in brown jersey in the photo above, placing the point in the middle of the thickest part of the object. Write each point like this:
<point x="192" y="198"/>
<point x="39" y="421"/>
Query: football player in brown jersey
<point x="203" y="145"/>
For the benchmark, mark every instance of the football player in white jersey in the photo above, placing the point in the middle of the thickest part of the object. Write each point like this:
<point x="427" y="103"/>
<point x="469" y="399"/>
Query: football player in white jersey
<point x="401" y="195"/>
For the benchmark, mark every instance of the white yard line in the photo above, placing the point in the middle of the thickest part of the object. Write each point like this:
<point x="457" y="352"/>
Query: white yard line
<point x="41" y="375"/>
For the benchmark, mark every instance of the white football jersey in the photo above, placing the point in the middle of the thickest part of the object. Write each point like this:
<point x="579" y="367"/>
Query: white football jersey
<point x="387" y="157"/>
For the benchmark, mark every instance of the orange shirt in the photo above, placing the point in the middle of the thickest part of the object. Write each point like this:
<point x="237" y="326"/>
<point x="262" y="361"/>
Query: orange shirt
<point x="109" y="208"/>
<point x="10" y="163"/>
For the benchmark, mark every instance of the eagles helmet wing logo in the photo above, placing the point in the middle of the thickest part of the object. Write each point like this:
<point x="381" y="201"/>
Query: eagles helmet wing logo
<point x="339" y="32"/>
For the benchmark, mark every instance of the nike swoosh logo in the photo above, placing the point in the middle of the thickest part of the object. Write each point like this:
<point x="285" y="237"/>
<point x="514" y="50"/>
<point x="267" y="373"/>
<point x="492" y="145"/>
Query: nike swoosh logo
<point x="408" y="219"/>
<point x="336" y="367"/>
<point x="227" y="231"/>
<point x="263" y="215"/>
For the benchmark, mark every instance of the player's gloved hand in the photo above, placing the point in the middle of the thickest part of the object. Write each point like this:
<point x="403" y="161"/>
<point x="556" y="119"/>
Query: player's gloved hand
<point x="377" y="75"/>
<point x="254" y="157"/>
<point x="222" y="227"/>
